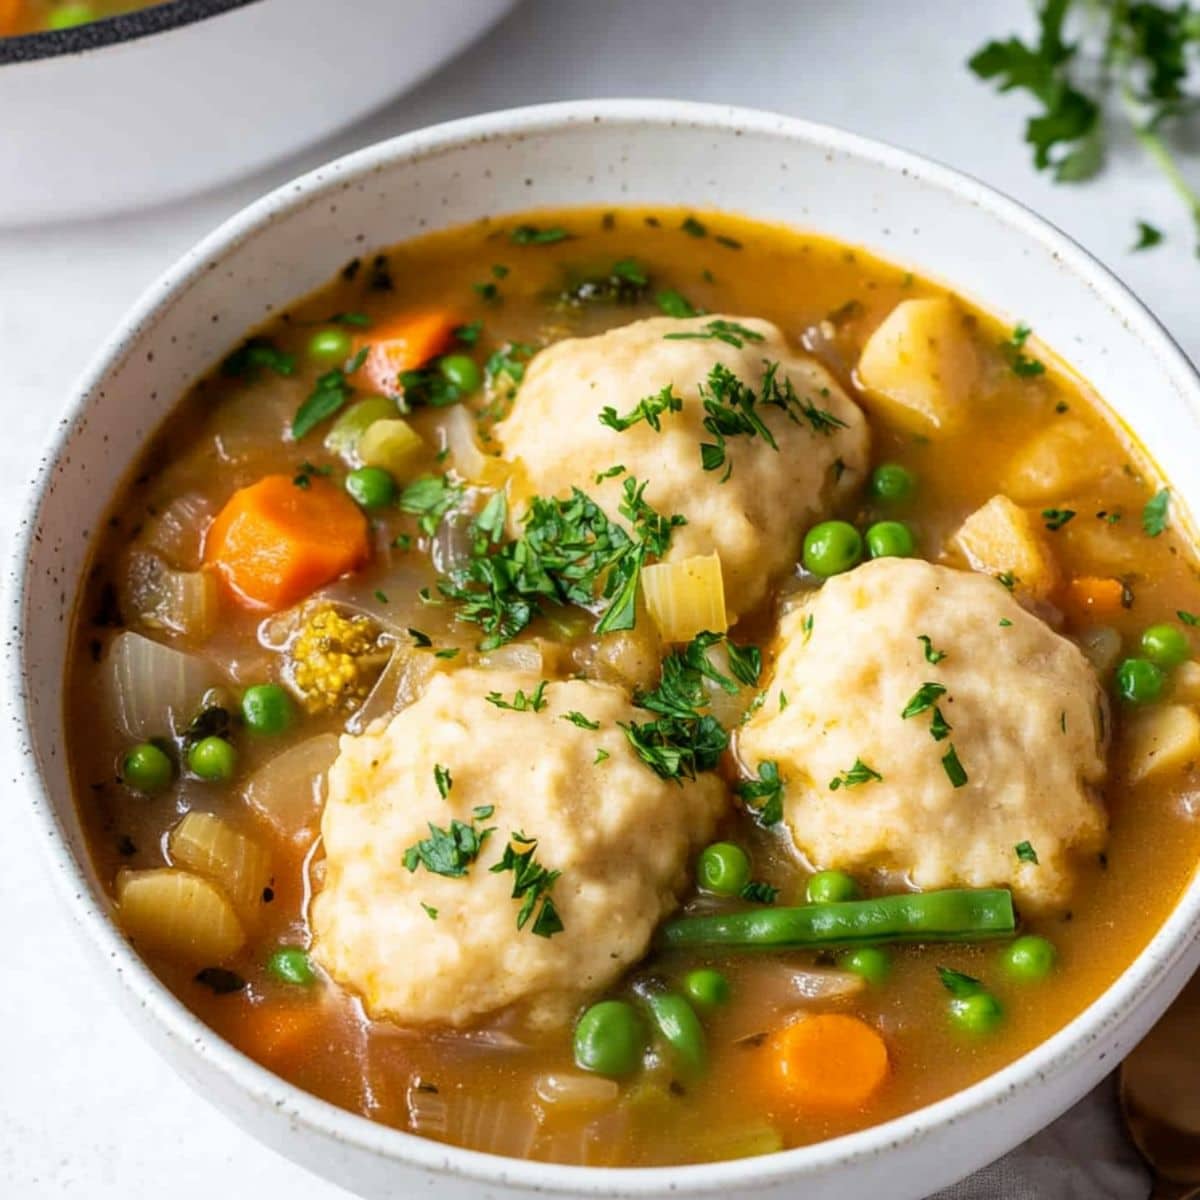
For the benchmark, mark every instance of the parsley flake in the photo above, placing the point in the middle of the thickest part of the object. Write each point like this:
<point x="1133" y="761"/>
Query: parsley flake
<point x="577" y="718"/>
<point x="923" y="699"/>
<point x="532" y="884"/>
<point x="1014" y="353"/>
<point x="648" y="409"/>
<point x="759" y="892"/>
<point x="531" y="235"/>
<point x="1026" y="853"/>
<point x="764" y="796"/>
<point x="954" y="768"/>
<point x="450" y="852"/>
<point x="441" y="777"/>
<point x="1056" y="518"/>
<point x="932" y="656"/>
<point x="534" y="702"/>
<point x="1154" y="514"/>
<point x="856" y="776"/>
<point x="1148" y="236"/>
<point x="958" y="984"/>
<point x="718" y="330"/>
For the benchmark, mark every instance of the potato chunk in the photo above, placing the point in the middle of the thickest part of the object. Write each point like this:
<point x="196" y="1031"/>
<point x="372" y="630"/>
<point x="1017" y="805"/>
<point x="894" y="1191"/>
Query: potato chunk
<point x="919" y="368"/>
<point x="1001" y="539"/>
<point x="178" y="914"/>
<point x="1161" y="740"/>
<point x="1059" y="461"/>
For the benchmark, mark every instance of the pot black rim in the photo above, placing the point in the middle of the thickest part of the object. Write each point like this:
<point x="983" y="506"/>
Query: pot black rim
<point x="113" y="31"/>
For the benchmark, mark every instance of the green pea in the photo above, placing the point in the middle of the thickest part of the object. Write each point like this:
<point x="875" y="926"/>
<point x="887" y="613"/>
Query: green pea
<point x="831" y="548"/>
<point x="290" y="964"/>
<point x="330" y="346"/>
<point x="977" y="1013"/>
<point x="1139" y="681"/>
<point x="890" y="539"/>
<point x="1029" y="958"/>
<point x="872" y="963"/>
<point x="706" y="987"/>
<point x="147" y="769"/>
<point x="892" y="483"/>
<point x="213" y="759"/>
<point x="609" y="1038"/>
<point x="372" y="487"/>
<point x="1166" y="645"/>
<point x="826" y="887"/>
<point x="67" y="16"/>
<point x="723" y="868"/>
<point x="461" y="371"/>
<point x="267" y="708"/>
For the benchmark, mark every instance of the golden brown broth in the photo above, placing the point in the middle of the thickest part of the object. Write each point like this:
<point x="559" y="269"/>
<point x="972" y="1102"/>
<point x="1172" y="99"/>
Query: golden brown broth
<point x="795" y="281"/>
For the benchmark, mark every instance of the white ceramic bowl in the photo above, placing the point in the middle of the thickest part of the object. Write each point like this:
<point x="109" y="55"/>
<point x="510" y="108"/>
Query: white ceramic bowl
<point x="615" y="152"/>
<point x="162" y="102"/>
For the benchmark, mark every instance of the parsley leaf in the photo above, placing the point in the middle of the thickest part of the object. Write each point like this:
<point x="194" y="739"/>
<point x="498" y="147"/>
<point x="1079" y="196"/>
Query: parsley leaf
<point x="256" y="355"/>
<point x="430" y="498"/>
<point x="939" y="727"/>
<point x="674" y="304"/>
<point x="923" y="699"/>
<point x="856" y="776"/>
<point x="450" y="852"/>
<point x="1026" y="853"/>
<point x="1147" y="236"/>
<point x="1056" y="518"/>
<point x="719" y="330"/>
<point x="531" y="235"/>
<point x="627" y="282"/>
<point x="577" y="718"/>
<point x="648" y="409"/>
<point x="329" y="394"/>
<point x="532" y="884"/>
<point x="1013" y="350"/>
<point x="1187" y="618"/>
<point x="954" y="768"/>
<point x="693" y="227"/>
<point x="932" y="656"/>
<point x="958" y="984"/>
<point x="441" y="777"/>
<point x="758" y="892"/>
<point x="764" y="796"/>
<point x="1154" y="514"/>
<point x="520" y="702"/>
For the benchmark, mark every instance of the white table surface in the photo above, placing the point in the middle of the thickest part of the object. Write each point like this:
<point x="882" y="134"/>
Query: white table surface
<point x="85" y="1108"/>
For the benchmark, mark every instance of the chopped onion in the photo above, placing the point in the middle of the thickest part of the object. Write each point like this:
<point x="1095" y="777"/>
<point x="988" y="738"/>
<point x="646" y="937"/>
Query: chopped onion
<point x="768" y="991"/>
<point x="289" y="791"/>
<point x="451" y="545"/>
<point x="483" y="1123"/>
<point x="153" y="689"/>
<point x="403" y="680"/>
<point x="726" y="706"/>
<point x="177" y="532"/>
<point x="686" y="597"/>
<point x="468" y="459"/>
<point x="570" y="1090"/>
<point x="182" y="601"/>
<point x="179" y="914"/>
<point x="514" y="656"/>
<point x="1102" y="646"/>
<point x="211" y="847"/>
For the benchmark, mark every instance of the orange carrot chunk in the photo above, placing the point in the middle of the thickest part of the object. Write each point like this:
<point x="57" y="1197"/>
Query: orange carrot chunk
<point x="276" y="1033"/>
<point x="828" y="1063"/>
<point x="404" y="344"/>
<point x="274" y="542"/>
<point x="1090" y="598"/>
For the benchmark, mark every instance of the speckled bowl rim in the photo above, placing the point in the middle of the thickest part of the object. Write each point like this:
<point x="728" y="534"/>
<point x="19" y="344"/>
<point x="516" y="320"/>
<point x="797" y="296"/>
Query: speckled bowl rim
<point x="1149" y="971"/>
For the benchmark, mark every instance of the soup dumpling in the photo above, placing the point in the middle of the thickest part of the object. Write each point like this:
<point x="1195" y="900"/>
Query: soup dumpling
<point x="752" y="506"/>
<point x="423" y="947"/>
<point x="1010" y="754"/>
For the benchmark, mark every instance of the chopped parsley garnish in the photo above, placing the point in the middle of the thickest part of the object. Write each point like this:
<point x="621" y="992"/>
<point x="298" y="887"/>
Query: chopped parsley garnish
<point x="430" y="498"/>
<point x="1154" y="514"/>
<point x="718" y="330"/>
<point x="421" y="640"/>
<point x="505" y="368"/>
<point x="430" y="911"/>
<point x="305" y="472"/>
<point x="693" y="227"/>
<point x="427" y="387"/>
<point x="534" y="702"/>
<point x="611" y="473"/>
<point x="381" y="596"/>
<point x="764" y="796"/>
<point x="531" y="235"/>
<point x="939" y="727"/>
<point x="627" y="282"/>
<point x="806" y="628"/>
<point x="329" y="394"/>
<point x="532" y="884"/>
<point x="923" y="699"/>
<point x="953" y="768"/>
<point x="649" y="409"/>
<point x="723" y="239"/>
<point x="450" y="852"/>
<point x="1056" y="518"/>
<point x="958" y="984"/>
<point x="357" y="320"/>
<point x="1148" y="236"/>
<point x="468" y="335"/>
<point x="447" y="652"/>
<point x="488" y="292"/>
<point x="759" y="892"/>
<point x="568" y="552"/>
<point x="745" y="662"/>
<point x="577" y="718"/>
<point x="1014" y="353"/>
<point x="601" y="755"/>
<point x="674" y="304"/>
<point x="442" y="777"/>
<point x="856" y="776"/>
<point x="1187" y="618"/>
<point x="931" y="655"/>
<point x="251" y="358"/>
<point x="1007" y="579"/>
<point x="1004" y="622"/>
<point x="499" y="271"/>
<point x="1026" y="853"/>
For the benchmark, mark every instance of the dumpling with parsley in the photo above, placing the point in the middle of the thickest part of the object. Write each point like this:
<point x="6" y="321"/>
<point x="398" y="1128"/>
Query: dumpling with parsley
<point x="922" y="723"/>
<point x="724" y="423"/>
<point x="499" y="844"/>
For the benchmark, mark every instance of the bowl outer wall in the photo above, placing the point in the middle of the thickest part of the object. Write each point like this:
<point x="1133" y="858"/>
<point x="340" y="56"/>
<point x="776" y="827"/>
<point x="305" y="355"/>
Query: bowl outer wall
<point x="620" y="152"/>
<point x="157" y="117"/>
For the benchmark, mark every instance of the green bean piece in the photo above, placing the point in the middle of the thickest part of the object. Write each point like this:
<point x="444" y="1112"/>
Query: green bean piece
<point x="952" y="915"/>
<point x="676" y="1022"/>
<point x="608" y="1038"/>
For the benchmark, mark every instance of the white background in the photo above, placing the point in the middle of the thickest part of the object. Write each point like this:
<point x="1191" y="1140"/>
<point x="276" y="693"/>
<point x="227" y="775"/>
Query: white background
<point x="85" y="1108"/>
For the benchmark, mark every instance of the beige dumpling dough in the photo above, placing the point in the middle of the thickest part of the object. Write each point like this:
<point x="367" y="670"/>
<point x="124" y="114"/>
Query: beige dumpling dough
<point x="1028" y="724"/>
<point x="622" y="837"/>
<point x="756" y="519"/>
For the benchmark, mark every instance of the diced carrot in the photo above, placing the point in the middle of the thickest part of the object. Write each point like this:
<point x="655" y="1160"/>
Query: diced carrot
<point x="274" y="542"/>
<point x="404" y="344"/>
<point x="273" y="1031"/>
<point x="828" y="1062"/>
<point x="1089" y="598"/>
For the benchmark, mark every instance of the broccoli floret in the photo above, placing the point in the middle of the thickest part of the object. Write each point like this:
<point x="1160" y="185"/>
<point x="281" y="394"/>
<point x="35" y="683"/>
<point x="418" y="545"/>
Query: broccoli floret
<point x="336" y="659"/>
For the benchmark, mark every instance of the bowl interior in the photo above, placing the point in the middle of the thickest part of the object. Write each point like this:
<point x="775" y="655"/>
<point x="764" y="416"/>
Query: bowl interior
<point x="770" y="168"/>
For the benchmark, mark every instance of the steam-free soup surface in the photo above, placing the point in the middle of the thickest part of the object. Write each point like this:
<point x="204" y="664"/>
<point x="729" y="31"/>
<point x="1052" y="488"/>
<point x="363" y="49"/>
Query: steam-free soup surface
<point x="303" y="951"/>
